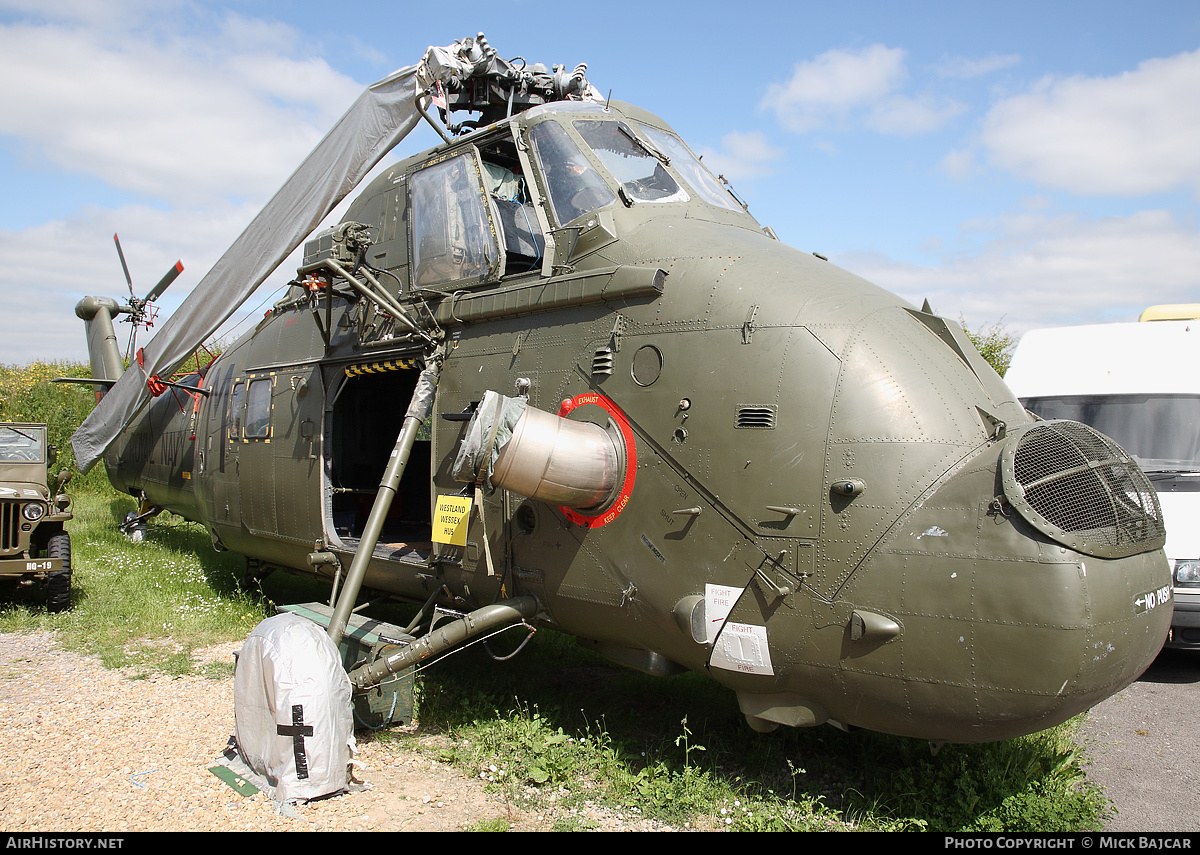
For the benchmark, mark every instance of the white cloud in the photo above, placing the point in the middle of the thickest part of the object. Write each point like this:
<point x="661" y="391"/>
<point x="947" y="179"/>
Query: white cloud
<point x="905" y="116"/>
<point x="46" y="269"/>
<point x="961" y="164"/>
<point x="743" y="155"/>
<point x="1131" y="134"/>
<point x="204" y="127"/>
<point x="95" y="13"/>
<point x="1041" y="270"/>
<point x="181" y="120"/>
<point x="841" y="87"/>
<point x="49" y="267"/>
<point x="827" y="89"/>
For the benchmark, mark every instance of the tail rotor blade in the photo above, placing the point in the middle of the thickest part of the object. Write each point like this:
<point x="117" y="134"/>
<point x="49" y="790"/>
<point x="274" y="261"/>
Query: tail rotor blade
<point x="124" y="266"/>
<point x="164" y="282"/>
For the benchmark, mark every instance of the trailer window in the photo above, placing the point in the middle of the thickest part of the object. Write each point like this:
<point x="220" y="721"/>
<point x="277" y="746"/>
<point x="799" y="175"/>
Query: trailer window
<point x="1161" y="431"/>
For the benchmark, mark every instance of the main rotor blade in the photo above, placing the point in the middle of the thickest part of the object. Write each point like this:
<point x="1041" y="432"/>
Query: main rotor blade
<point x="373" y="125"/>
<point x="124" y="266"/>
<point x="164" y="282"/>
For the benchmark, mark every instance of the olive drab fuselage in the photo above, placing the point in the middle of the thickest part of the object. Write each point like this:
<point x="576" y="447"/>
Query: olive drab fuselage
<point x="808" y="497"/>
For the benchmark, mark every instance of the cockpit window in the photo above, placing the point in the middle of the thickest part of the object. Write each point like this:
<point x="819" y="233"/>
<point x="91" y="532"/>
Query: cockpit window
<point x="687" y="165"/>
<point x="574" y="187"/>
<point x="634" y="164"/>
<point x="453" y="238"/>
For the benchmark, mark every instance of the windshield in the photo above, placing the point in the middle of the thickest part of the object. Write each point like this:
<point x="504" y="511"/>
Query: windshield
<point x="687" y="165"/>
<point x="26" y="444"/>
<point x="574" y="186"/>
<point x="1161" y="431"/>
<point x="634" y="164"/>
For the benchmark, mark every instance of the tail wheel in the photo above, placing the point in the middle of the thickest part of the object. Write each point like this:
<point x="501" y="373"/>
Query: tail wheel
<point x="58" y="583"/>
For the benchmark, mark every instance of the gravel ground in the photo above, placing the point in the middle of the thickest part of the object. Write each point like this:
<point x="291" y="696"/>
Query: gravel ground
<point x="84" y="748"/>
<point x="1144" y="748"/>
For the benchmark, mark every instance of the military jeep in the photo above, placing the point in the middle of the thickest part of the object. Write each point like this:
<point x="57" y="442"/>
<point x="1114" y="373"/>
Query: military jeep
<point x="34" y="546"/>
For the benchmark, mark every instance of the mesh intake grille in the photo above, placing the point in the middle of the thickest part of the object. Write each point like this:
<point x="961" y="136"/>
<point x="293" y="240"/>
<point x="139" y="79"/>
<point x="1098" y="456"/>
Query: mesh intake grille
<point x="1082" y="489"/>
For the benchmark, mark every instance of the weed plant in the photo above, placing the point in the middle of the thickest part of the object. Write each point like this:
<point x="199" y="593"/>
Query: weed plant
<point x="560" y="728"/>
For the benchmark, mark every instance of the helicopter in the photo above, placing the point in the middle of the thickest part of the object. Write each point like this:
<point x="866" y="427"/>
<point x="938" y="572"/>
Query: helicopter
<point x="552" y="371"/>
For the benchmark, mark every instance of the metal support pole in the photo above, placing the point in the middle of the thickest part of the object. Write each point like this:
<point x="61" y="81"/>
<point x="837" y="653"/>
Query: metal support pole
<point x="418" y="410"/>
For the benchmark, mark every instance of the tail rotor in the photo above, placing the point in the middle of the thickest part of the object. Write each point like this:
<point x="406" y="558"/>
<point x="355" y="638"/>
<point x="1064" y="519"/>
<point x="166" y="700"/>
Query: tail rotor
<point x="142" y="312"/>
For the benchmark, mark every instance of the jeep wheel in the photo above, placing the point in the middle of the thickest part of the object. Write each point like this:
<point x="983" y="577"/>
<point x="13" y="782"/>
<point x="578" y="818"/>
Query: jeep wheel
<point x="58" y="583"/>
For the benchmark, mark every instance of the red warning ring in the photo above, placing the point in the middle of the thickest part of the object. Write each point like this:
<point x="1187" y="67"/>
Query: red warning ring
<point x="613" y="510"/>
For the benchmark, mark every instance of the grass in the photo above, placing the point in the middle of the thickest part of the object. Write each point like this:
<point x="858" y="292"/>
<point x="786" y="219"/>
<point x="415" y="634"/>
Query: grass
<point x="555" y="729"/>
<point x="141" y="604"/>
<point x="559" y="728"/>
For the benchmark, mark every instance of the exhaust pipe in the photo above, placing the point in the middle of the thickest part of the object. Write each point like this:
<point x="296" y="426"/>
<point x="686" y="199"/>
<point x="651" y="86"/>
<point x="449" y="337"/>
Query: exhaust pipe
<point x="573" y="464"/>
<point x="560" y="461"/>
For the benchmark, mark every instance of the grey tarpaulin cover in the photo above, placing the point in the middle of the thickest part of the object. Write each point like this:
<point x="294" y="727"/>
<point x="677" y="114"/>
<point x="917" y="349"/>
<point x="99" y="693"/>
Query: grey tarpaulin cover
<point x="487" y="432"/>
<point x="381" y="117"/>
<point x="293" y="721"/>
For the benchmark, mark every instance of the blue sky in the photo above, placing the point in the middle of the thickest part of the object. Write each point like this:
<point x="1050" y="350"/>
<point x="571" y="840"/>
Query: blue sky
<point x="1034" y="164"/>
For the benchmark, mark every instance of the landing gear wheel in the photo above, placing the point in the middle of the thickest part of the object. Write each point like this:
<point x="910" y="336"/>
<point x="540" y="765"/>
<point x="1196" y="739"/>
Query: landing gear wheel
<point x="253" y="575"/>
<point x="58" y="583"/>
<point x="134" y="527"/>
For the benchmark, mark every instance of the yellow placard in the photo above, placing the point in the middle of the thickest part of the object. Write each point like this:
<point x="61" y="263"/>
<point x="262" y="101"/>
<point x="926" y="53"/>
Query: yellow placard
<point x="450" y="519"/>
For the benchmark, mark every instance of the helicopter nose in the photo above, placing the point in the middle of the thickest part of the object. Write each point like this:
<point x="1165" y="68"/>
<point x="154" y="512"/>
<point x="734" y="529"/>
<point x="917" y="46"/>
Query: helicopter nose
<point x="1031" y="585"/>
<point x="1083" y="492"/>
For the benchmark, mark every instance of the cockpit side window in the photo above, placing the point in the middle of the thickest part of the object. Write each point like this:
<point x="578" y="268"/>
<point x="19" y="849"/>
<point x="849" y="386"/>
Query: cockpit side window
<point x="516" y="217"/>
<point x="636" y="166"/>
<point x="688" y="166"/>
<point x="573" y="185"/>
<point x="452" y="234"/>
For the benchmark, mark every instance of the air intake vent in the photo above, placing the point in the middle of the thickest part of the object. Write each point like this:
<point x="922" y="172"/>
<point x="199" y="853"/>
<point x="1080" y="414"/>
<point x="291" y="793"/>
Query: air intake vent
<point x="10" y="526"/>
<point x="602" y="361"/>
<point x="762" y="418"/>
<point x="1081" y="489"/>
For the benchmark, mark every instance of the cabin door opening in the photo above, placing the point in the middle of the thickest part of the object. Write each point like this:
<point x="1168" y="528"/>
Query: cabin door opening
<point x="367" y="412"/>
